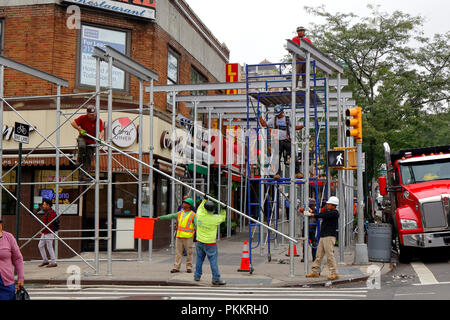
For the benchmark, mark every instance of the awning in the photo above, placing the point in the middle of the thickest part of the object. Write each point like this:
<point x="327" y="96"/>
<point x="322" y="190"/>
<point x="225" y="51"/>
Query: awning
<point x="34" y="160"/>
<point x="199" y="169"/>
<point x="120" y="163"/>
<point x="234" y="176"/>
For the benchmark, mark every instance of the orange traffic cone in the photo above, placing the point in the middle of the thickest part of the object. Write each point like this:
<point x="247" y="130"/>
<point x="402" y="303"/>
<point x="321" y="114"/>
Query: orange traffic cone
<point x="245" y="261"/>
<point x="295" y="251"/>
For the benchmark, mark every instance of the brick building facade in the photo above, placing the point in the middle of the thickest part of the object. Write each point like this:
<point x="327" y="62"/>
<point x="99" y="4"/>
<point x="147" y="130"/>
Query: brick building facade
<point x="176" y="44"/>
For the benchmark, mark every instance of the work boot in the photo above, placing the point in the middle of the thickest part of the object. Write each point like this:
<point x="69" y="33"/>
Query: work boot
<point x="219" y="282"/>
<point x="312" y="275"/>
<point x="277" y="176"/>
<point x="298" y="175"/>
<point x="333" y="276"/>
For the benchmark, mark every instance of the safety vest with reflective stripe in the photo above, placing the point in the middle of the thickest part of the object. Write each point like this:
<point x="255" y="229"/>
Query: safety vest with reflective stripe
<point x="185" y="227"/>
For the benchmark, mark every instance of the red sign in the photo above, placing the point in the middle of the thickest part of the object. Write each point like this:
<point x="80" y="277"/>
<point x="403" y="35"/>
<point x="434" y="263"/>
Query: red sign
<point x="142" y="3"/>
<point x="232" y="75"/>
<point x="143" y="228"/>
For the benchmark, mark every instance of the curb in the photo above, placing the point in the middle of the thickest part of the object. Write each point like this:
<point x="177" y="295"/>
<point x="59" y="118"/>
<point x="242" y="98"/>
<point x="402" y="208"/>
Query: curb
<point x="325" y="283"/>
<point x="116" y="282"/>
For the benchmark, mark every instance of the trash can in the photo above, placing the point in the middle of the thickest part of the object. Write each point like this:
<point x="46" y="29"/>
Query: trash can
<point x="379" y="242"/>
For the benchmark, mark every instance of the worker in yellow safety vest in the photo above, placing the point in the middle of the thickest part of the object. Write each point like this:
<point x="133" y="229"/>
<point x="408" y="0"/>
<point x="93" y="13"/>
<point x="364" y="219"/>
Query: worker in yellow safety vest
<point x="185" y="234"/>
<point x="206" y="221"/>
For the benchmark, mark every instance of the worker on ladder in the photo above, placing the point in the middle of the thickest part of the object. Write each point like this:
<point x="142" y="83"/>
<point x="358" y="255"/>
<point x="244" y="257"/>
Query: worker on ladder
<point x="281" y="123"/>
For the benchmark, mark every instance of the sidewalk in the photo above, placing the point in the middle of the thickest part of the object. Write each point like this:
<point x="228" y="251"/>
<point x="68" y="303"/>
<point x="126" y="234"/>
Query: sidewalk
<point x="126" y="270"/>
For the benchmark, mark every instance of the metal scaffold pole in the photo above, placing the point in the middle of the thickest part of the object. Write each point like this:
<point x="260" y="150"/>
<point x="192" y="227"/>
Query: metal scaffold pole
<point x="306" y="157"/>
<point x="140" y="135"/>
<point x="220" y="140"/>
<point x="194" y="167"/>
<point x="110" y="176"/>
<point x="173" y="206"/>
<point x="58" y="143"/>
<point x="97" y="165"/>
<point x="293" y="135"/>
<point x="150" y="174"/>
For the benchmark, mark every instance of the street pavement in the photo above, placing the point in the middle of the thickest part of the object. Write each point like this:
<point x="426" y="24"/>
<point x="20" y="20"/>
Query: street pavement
<point x="127" y="269"/>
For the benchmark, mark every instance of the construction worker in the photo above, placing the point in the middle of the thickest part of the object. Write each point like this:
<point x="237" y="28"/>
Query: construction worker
<point x="87" y="123"/>
<point x="330" y="221"/>
<point x="312" y="228"/>
<point x="301" y="67"/>
<point x="185" y="234"/>
<point x="282" y="124"/>
<point x="206" y="222"/>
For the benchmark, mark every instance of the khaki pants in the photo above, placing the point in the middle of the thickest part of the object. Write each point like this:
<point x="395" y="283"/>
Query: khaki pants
<point x="301" y="68"/>
<point x="326" y="247"/>
<point x="180" y="245"/>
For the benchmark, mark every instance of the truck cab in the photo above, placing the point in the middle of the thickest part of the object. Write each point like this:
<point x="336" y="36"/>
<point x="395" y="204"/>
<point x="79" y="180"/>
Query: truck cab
<point x="417" y="190"/>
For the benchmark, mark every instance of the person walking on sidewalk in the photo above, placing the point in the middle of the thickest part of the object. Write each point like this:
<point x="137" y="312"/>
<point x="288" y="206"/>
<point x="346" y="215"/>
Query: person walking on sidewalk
<point x="185" y="234"/>
<point x="206" y="222"/>
<point x="330" y="221"/>
<point x="10" y="258"/>
<point x="46" y="236"/>
<point x="87" y="123"/>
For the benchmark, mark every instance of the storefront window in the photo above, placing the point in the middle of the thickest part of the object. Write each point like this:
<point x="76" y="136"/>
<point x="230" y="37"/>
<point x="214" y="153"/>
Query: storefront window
<point x="8" y="203"/>
<point x="93" y="36"/>
<point x="67" y="193"/>
<point x="125" y="196"/>
<point x="163" y="198"/>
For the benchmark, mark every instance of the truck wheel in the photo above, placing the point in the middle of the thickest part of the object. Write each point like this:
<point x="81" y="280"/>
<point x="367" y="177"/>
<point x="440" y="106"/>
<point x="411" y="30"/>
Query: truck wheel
<point x="404" y="253"/>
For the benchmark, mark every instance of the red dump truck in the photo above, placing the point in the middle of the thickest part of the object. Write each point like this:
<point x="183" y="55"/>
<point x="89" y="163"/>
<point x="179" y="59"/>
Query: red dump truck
<point x="416" y="192"/>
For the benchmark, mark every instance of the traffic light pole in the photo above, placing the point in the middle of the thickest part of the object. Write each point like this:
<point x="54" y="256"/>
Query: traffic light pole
<point x="361" y="253"/>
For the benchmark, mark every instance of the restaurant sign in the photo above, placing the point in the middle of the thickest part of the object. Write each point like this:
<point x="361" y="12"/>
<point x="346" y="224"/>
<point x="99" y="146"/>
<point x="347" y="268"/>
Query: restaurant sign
<point x="137" y="8"/>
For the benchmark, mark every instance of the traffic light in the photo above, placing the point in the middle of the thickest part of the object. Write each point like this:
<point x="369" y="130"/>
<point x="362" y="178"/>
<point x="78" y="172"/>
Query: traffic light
<point x="355" y="122"/>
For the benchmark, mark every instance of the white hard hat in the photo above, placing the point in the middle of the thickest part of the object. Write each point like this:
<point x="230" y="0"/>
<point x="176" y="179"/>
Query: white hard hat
<point x="333" y="200"/>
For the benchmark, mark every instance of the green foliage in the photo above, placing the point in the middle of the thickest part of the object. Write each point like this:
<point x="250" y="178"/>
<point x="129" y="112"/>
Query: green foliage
<point x="399" y="78"/>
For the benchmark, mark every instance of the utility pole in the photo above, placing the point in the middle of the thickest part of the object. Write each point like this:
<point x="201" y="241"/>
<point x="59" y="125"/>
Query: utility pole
<point x="361" y="253"/>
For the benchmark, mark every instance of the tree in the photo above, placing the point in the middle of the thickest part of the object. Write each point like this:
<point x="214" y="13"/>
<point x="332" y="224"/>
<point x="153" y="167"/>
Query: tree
<point x="403" y="88"/>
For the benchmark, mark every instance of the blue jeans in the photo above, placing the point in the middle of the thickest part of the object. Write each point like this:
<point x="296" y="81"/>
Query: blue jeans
<point x="204" y="250"/>
<point x="7" y="292"/>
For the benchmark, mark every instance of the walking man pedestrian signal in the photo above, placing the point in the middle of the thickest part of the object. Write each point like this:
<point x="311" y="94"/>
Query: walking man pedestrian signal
<point x="336" y="158"/>
<point x="355" y="122"/>
<point x="339" y="159"/>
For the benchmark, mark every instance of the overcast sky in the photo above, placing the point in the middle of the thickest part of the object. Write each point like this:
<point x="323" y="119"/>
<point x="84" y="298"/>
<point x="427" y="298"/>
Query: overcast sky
<point x="255" y="30"/>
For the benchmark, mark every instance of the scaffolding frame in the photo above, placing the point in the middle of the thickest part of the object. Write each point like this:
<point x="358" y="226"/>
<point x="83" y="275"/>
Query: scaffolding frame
<point x="118" y="60"/>
<point x="227" y="107"/>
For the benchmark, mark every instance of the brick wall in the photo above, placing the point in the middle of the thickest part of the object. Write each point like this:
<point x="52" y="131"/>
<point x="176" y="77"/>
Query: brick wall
<point x="37" y="36"/>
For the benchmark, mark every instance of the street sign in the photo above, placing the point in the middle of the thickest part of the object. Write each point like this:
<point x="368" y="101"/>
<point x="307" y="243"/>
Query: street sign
<point x="336" y="158"/>
<point x="21" y="132"/>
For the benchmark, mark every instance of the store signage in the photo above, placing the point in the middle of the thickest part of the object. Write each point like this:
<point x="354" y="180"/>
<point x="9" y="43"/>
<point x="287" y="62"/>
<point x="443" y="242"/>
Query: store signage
<point x="124" y="132"/>
<point x="100" y="37"/>
<point x="232" y="75"/>
<point x="137" y="8"/>
<point x="166" y="141"/>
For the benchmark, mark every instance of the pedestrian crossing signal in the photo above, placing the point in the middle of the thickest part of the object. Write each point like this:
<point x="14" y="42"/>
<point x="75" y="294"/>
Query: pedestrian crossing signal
<point x="336" y="159"/>
<point x="355" y="122"/>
